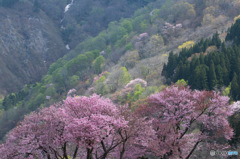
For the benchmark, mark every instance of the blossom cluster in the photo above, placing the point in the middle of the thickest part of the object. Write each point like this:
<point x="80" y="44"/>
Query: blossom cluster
<point x="173" y="123"/>
<point x="136" y="81"/>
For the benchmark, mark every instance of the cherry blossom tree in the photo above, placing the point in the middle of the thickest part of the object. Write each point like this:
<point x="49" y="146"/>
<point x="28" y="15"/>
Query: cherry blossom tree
<point x="39" y="135"/>
<point x="94" y="124"/>
<point x="136" y="138"/>
<point x="79" y="127"/>
<point x="184" y="120"/>
<point x="235" y="124"/>
<point x="173" y="124"/>
<point x="136" y="81"/>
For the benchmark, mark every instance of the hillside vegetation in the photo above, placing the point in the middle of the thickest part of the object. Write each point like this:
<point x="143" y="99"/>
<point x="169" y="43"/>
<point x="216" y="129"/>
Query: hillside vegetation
<point x="35" y="33"/>
<point x="126" y="61"/>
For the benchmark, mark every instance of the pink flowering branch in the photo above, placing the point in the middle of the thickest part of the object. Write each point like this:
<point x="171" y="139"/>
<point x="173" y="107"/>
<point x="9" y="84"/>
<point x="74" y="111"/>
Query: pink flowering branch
<point x="178" y="111"/>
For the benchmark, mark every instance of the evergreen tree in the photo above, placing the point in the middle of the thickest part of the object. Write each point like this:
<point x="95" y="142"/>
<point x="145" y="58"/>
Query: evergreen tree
<point x="5" y="103"/>
<point x="219" y="75"/>
<point x="201" y="58"/>
<point x="234" y="32"/>
<point x="216" y="58"/>
<point x="205" y="45"/>
<point x="235" y="88"/>
<point x="179" y="72"/>
<point x="200" y="81"/>
<point x="227" y="64"/>
<point x="212" y="76"/>
<point x="216" y="40"/>
<point x="172" y="63"/>
<point x="223" y="48"/>
<point x="226" y="79"/>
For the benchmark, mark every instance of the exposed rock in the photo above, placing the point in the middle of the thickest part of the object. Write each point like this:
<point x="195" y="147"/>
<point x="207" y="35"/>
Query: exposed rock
<point x="29" y="43"/>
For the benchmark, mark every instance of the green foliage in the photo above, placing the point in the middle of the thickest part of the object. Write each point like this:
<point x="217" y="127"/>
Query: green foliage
<point x="91" y="17"/>
<point x="212" y="76"/>
<point x="155" y="14"/>
<point x="97" y="11"/>
<point x="226" y="91"/>
<point x="129" y="46"/>
<point x="181" y="82"/>
<point x="149" y="90"/>
<point x="137" y="21"/>
<point x="235" y="88"/>
<point x="201" y="71"/>
<point x="172" y="63"/>
<point x="127" y="25"/>
<point x="56" y="65"/>
<point x="12" y="99"/>
<point x="183" y="10"/>
<point x="122" y="41"/>
<point x="98" y="64"/>
<point x="116" y="32"/>
<point x="100" y="86"/>
<point x="78" y="65"/>
<point x="143" y="25"/>
<point x="125" y="77"/>
<point x="108" y="49"/>
<point x="187" y="45"/>
<point x="138" y="90"/>
<point x="200" y="78"/>
<point x="81" y="63"/>
<point x="98" y="42"/>
<point x="214" y="69"/>
<point x="1" y="101"/>
<point x="131" y="59"/>
<point x="42" y="89"/>
<point x="74" y="80"/>
<point x="234" y="33"/>
<point x="36" y="101"/>
<point x="51" y="91"/>
<point x="62" y="76"/>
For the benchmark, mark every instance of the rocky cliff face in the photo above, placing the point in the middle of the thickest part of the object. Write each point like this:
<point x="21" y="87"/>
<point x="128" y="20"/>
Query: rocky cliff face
<point x="29" y="43"/>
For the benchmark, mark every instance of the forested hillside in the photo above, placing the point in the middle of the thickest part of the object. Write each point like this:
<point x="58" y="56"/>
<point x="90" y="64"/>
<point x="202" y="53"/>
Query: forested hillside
<point x="127" y="56"/>
<point x="35" y="33"/>
<point x="209" y="64"/>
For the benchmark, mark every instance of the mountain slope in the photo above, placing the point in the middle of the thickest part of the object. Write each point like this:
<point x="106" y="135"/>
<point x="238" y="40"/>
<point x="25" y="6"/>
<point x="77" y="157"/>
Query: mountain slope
<point x="35" y="33"/>
<point x="135" y="47"/>
<point x="30" y="42"/>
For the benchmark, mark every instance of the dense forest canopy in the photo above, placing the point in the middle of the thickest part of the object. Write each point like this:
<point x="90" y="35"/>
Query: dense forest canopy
<point x="206" y="70"/>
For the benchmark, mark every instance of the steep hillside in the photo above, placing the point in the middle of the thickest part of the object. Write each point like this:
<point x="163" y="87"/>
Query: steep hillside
<point x="30" y="42"/>
<point x="36" y="33"/>
<point x="130" y="48"/>
<point x="82" y="19"/>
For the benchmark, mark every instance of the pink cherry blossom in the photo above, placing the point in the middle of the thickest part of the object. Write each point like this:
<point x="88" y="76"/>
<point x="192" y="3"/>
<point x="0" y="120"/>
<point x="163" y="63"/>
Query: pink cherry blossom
<point x="183" y="119"/>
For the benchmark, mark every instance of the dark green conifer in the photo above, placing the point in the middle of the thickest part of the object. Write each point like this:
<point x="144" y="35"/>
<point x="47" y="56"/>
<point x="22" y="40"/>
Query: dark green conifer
<point x="212" y="76"/>
<point x="200" y="78"/>
<point x="235" y="88"/>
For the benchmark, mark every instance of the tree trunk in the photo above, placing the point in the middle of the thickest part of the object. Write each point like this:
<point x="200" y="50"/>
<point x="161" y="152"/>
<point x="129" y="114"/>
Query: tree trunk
<point x="123" y="150"/>
<point x="75" y="152"/>
<point x="65" y="151"/>
<point x="89" y="153"/>
<point x="194" y="147"/>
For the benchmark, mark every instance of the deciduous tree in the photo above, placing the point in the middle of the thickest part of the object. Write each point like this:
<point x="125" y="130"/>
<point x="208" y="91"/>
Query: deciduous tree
<point x="185" y="119"/>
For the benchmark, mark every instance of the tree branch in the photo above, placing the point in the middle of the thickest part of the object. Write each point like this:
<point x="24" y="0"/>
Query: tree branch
<point x="191" y="152"/>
